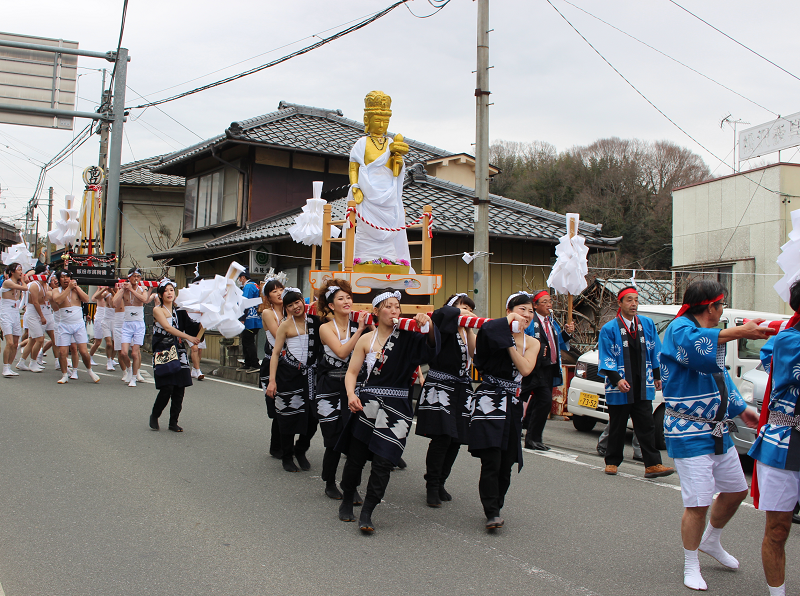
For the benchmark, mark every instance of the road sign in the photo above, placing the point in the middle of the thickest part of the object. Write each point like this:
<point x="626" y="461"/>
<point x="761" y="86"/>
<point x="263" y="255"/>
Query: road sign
<point x="777" y="135"/>
<point x="37" y="79"/>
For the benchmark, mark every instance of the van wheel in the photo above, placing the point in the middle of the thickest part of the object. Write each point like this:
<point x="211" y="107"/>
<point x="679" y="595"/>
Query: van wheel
<point x="658" y="419"/>
<point x="584" y="423"/>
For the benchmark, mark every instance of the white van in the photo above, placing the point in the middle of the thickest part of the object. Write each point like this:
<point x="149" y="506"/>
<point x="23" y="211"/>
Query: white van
<point x="586" y="396"/>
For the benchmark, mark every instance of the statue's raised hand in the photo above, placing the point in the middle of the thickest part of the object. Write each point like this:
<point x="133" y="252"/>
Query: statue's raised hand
<point x="398" y="146"/>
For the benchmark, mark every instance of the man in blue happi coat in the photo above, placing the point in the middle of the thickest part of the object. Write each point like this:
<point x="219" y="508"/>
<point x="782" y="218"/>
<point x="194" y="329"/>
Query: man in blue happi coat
<point x="629" y="349"/>
<point x="252" y="324"/>
<point x="777" y="448"/>
<point x="701" y="401"/>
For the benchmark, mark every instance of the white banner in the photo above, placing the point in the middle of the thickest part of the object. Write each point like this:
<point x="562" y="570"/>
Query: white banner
<point x="779" y="134"/>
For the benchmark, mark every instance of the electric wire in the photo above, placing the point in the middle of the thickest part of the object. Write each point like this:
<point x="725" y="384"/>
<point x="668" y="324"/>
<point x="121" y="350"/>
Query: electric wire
<point x="644" y="43"/>
<point x="735" y="40"/>
<point x="437" y="5"/>
<point x="659" y="110"/>
<point x="323" y="41"/>
<point x="167" y="115"/>
<point x="119" y="43"/>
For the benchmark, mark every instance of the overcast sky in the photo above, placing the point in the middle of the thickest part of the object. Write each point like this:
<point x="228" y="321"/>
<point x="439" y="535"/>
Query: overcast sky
<point x="547" y="84"/>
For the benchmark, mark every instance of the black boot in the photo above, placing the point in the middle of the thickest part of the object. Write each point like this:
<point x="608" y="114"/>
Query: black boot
<point x="444" y="495"/>
<point x="153" y="422"/>
<point x="365" y="521"/>
<point x="332" y="492"/>
<point x="433" y="498"/>
<point x="305" y="465"/>
<point x="288" y="465"/>
<point x="357" y="500"/>
<point x="346" y="508"/>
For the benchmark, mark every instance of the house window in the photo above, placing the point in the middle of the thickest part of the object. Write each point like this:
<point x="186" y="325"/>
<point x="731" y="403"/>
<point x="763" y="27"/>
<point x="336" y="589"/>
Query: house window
<point x="211" y="198"/>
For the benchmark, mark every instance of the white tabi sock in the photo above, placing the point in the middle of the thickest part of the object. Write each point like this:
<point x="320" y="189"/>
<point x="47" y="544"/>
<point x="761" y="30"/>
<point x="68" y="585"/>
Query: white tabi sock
<point x="711" y="546"/>
<point x="779" y="591"/>
<point x="691" y="571"/>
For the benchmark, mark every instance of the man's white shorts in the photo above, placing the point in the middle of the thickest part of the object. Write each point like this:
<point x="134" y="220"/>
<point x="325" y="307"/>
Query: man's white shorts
<point x="704" y="475"/>
<point x="779" y="490"/>
<point x="9" y="322"/>
<point x="34" y="323"/>
<point x="132" y="333"/>
<point x="51" y="321"/>
<point x="107" y="329"/>
<point x="119" y="318"/>
<point x="71" y="334"/>
<point x="201" y="345"/>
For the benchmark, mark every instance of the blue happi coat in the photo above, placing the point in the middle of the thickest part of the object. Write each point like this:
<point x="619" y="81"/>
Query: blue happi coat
<point x="692" y="372"/>
<point x="252" y="317"/>
<point x="779" y="446"/>
<point x="613" y="341"/>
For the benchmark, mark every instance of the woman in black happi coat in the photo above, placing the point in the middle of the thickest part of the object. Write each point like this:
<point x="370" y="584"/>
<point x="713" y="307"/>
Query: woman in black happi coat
<point x="382" y="405"/>
<point x="338" y="337"/>
<point x="503" y="356"/>
<point x="443" y="407"/>
<point x="292" y="382"/>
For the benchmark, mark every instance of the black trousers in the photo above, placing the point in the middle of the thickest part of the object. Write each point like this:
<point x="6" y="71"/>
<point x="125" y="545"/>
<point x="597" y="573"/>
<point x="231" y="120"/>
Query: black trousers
<point x="165" y="394"/>
<point x="641" y="413"/>
<point x="538" y="411"/>
<point x="442" y="453"/>
<point x="288" y="445"/>
<point x="330" y="461"/>
<point x="357" y="457"/>
<point x="495" y="477"/>
<point x="249" y="348"/>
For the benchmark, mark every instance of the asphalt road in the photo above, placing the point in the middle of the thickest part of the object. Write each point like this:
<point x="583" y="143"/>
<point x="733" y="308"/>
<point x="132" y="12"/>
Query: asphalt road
<point x="94" y="503"/>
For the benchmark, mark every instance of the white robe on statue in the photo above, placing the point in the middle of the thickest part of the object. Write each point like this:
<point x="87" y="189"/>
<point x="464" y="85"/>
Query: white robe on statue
<point x="382" y="206"/>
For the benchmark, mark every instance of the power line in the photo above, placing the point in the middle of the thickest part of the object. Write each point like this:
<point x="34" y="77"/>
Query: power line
<point x="305" y="50"/>
<point x="119" y="43"/>
<point x="659" y="110"/>
<point x="437" y="5"/>
<point x="735" y="41"/>
<point x="644" y="43"/>
<point x="167" y="115"/>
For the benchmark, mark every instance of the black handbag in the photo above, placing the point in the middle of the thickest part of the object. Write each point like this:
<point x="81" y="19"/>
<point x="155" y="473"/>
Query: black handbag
<point x="166" y="362"/>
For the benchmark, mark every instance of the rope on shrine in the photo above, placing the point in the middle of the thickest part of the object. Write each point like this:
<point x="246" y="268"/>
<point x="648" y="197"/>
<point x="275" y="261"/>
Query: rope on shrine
<point x="405" y="227"/>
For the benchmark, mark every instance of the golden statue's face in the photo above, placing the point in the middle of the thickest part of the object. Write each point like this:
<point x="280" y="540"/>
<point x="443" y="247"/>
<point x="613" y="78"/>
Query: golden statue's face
<point x="377" y="124"/>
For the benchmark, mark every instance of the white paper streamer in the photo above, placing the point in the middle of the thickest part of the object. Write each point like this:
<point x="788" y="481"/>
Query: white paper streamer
<point x="789" y="259"/>
<point x="19" y="253"/>
<point x="68" y="227"/>
<point x="568" y="275"/>
<point x="217" y="303"/>
<point x="307" y="228"/>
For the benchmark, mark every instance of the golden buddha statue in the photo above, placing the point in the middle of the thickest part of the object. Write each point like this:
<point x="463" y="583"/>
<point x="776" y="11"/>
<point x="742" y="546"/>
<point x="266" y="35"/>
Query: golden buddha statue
<point x="377" y="171"/>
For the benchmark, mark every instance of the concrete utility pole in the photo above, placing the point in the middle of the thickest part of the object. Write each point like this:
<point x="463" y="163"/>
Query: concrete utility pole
<point x="480" y="266"/>
<point x="49" y="224"/>
<point x="115" y="153"/>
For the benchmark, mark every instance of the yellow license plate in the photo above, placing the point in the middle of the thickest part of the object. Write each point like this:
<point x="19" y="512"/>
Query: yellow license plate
<point x="588" y="400"/>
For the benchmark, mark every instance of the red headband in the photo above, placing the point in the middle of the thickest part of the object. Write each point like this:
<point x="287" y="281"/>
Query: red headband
<point x="539" y="295"/>
<point x="686" y="307"/>
<point x="625" y="292"/>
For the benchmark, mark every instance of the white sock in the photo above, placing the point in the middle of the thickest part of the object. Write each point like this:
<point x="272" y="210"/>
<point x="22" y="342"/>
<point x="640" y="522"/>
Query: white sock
<point x="6" y="368"/>
<point x="779" y="591"/>
<point x="711" y="546"/>
<point x="691" y="571"/>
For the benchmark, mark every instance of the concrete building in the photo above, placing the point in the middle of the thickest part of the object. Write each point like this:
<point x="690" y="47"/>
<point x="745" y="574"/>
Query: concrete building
<point x="731" y="229"/>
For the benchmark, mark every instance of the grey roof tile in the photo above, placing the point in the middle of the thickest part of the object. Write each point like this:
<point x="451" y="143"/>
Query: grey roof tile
<point x="140" y="173"/>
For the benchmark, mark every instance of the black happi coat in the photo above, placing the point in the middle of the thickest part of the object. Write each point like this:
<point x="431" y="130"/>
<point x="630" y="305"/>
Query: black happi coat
<point x="384" y="422"/>
<point x="163" y="340"/>
<point x="443" y="407"/>
<point x="331" y="396"/>
<point x="496" y="408"/>
<point x="294" y="398"/>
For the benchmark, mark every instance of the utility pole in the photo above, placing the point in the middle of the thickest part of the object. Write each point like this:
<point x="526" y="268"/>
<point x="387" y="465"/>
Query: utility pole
<point x="480" y="266"/>
<point x="49" y="224"/>
<point x="115" y="153"/>
<point x="102" y="163"/>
